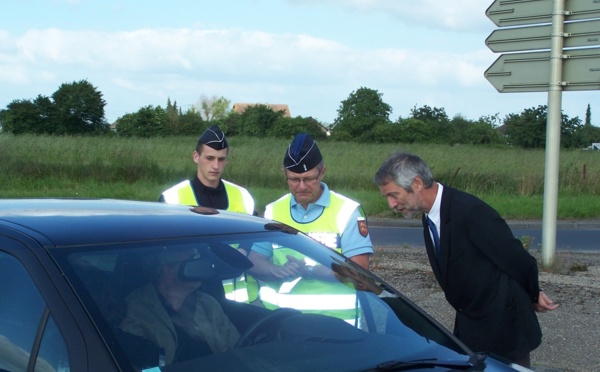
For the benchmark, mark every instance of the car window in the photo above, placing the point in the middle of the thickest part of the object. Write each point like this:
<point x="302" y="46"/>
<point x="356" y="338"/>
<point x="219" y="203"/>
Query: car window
<point x="23" y="317"/>
<point x="168" y="304"/>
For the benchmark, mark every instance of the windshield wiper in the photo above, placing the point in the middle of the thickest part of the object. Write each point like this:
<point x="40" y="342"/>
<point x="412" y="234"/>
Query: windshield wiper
<point x="452" y="365"/>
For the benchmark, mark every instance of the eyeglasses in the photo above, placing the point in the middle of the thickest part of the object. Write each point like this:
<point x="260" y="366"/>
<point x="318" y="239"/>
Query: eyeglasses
<point x="295" y="181"/>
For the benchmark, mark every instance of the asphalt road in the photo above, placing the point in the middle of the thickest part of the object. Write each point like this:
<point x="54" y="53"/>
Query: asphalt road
<point x="580" y="236"/>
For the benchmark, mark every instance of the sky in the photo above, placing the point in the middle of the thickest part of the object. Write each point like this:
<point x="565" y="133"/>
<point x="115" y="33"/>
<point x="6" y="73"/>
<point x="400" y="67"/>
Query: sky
<point x="308" y="54"/>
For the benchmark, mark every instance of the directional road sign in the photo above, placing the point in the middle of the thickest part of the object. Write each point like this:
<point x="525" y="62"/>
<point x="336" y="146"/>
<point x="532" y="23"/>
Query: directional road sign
<point x="527" y="12"/>
<point x="530" y="72"/>
<point x="576" y="34"/>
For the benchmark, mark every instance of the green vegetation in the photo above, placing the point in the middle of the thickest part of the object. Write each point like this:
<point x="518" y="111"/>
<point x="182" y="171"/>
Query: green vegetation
<point x="509" y="179"/>
<point x="577" y="267"/>
<point x="74" y="109"/>
<point x="364" y="117"/>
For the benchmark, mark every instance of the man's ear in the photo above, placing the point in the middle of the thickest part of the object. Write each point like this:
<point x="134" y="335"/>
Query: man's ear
<point x="417" y="184"/>
<point x="323" y="171"/>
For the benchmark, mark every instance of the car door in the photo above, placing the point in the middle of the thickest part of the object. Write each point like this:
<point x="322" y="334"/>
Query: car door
<point x="42" y="325"/>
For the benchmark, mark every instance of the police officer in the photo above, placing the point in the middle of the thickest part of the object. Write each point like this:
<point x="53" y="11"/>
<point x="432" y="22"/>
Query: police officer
<point x="331" y="218"/>
<point x="207" y="188"/>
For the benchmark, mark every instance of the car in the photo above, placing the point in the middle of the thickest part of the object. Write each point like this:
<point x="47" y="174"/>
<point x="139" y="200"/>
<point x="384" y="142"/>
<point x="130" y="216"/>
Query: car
<point x="81" y="283"/>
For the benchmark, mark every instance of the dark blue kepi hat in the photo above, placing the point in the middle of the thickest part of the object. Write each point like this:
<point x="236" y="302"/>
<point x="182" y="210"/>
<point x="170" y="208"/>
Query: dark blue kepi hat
<point x="214" y="138"/>
<point x="302" y="154"/>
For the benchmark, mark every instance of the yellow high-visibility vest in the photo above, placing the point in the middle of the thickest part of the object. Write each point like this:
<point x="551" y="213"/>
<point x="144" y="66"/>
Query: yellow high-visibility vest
<point x="239" y="199"/>
<point x="308" y="294"/>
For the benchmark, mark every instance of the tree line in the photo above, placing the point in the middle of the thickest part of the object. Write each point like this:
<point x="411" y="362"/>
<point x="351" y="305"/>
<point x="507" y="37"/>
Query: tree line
<point x="78" y="109"/>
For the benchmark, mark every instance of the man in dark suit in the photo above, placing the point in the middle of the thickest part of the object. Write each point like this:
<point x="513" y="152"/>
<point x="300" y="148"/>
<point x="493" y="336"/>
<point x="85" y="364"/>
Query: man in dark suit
<point x="486" y="274"/>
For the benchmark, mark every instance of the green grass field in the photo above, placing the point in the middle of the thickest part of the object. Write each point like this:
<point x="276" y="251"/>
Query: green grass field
<point x="511" y="180"/>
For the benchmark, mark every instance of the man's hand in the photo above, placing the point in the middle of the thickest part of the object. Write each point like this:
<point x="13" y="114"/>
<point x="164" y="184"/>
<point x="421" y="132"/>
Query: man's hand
<point x="293" y="268"/>
<point x="264" y="269"/>
<point x="544" y="303"/>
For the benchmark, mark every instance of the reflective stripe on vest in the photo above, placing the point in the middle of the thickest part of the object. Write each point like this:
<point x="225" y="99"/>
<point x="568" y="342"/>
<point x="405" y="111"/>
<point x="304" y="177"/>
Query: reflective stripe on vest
<point x="236" y="289"/>
<point x="241" y="289"/>
<point x="239" y="199"/>
<point x="307" y="301"/>
<point x="316" y="304"/>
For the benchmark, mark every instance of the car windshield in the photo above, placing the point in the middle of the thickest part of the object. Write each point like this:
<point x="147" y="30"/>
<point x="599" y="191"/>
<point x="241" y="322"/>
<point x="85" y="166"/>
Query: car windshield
<point x="206" y="303"/>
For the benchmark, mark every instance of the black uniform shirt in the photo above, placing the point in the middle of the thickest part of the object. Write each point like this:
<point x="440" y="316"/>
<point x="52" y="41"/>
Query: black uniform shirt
<point x="209" y="196"/>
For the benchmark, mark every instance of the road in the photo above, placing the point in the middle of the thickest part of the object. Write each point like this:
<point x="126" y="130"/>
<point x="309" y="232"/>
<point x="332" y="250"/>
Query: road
<point x="580" y="236"/>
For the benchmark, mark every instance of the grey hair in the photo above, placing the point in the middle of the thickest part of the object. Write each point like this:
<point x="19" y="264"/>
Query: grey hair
<point x="402" y="168"/>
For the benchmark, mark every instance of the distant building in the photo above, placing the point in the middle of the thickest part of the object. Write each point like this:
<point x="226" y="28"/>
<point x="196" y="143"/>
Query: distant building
<point x="241" y="107"/>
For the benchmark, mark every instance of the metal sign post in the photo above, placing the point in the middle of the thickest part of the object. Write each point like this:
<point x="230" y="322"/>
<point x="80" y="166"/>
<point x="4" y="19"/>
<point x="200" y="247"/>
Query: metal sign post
<point x="549" y="71"/>
<point x="553" y="138"/>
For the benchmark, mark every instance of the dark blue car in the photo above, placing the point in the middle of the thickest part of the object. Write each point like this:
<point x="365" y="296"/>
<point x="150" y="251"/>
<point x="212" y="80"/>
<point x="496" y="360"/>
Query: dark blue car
<point x="112" y="285"/>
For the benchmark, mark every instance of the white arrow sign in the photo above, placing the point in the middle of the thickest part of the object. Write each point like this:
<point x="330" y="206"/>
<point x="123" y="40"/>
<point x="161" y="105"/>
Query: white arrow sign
<point x="576" y="34"/>
<point x="528" y="12"/>
<point x="530" y="72"/>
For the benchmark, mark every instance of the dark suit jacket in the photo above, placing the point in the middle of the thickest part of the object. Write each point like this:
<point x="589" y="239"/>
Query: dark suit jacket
<point x="487" y="276"/>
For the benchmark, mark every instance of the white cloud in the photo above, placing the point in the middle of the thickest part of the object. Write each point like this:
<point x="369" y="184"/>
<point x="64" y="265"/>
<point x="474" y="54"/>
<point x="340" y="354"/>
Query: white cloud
<point x="162" y="63"/>
<point x="458" y="15"/>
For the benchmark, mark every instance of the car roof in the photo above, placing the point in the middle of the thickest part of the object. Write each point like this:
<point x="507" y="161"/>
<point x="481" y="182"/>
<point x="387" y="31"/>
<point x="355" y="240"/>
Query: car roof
<point x="67" y="222"/>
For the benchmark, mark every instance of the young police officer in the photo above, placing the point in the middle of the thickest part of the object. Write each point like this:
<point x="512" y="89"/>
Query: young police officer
<point x="207" y="189"/>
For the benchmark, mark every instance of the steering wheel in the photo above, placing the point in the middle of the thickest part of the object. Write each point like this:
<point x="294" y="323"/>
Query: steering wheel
<point x="262" y="329"/>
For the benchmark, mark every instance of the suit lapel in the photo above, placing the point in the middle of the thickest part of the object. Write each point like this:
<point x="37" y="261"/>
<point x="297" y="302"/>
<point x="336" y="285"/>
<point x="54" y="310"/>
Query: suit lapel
<point x="445" y="227"/>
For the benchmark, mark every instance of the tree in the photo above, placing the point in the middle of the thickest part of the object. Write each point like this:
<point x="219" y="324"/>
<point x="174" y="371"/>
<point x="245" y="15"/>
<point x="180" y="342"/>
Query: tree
<point x="438" y="121"/>
<point x="149" y="121"/>
<point x="190" y="123"/>
<point x="589" y="134"/>
<point x="413" y="131"/>
<point x="386" y="133"/>
<point x="171" y="117"/>
<point x="231" y="124"/>
<point x="588" y="115"/>
<point x="19" y="117"/>
<point x="528" y="129"/>
<point x="480" y="132"/>
<point x="256" y="121"/>
<point x="214" y="108"/>
<point x="46" y="113"/>
<point x="430" y="114"/>
<point x="286" y="127"/>
<point x="25" y="116"/>
<point x="570" y="132"/>
<point x="361" y="112"/>
<point x="78" y="109"/>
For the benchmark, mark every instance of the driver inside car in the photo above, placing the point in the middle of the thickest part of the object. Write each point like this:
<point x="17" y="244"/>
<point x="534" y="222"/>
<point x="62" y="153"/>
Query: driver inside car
<point x="176" y="316"/>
